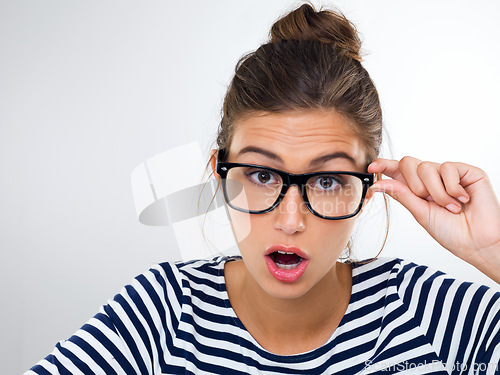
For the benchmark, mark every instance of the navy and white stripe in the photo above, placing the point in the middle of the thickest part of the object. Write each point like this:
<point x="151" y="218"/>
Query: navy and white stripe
<point x="176" y="319"/>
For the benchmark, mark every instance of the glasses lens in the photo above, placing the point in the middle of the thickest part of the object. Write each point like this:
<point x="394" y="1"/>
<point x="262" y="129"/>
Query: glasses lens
<point x="257" y="189"/>
<point x="334" y="195"/>
<point x="251" y="188"/>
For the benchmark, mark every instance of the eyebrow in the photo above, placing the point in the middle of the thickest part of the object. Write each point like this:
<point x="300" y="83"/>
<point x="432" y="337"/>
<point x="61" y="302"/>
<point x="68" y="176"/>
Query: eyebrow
<point x="315" y="162"/>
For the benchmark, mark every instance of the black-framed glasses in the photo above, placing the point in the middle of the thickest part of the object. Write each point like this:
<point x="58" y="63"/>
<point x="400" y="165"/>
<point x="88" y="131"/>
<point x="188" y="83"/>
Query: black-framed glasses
<point x="256" y="189"/>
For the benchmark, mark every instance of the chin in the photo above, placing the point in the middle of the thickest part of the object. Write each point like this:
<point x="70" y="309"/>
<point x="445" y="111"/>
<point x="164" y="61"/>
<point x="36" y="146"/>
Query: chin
<point x="290" y="291"/>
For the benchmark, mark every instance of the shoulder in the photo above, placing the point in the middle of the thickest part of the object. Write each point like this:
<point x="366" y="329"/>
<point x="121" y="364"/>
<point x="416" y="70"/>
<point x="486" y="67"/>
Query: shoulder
<point x="402" y="272"/>
<point x="451" y="314"/>
<point x="409" y="279"/>
<point x="435" y="301"/>
<point x="166" y="289"/>
<point x="188" y="274"/>
<point x="168" y="283"/>
<point x="423" y="290"/>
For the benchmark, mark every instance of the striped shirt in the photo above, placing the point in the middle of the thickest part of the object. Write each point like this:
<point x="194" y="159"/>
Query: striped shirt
<point x="176" y="319"/>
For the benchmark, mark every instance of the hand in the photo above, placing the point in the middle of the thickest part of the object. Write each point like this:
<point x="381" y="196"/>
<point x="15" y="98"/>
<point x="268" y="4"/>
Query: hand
<point x="454" y="202"/>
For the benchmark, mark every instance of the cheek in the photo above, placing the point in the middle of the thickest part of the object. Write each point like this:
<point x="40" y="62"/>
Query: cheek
<point x="333" y="235"/>
<point x="244" y="226"/>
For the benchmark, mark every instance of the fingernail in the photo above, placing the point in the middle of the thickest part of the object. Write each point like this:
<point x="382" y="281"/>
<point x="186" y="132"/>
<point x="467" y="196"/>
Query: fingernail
<point x="463" y="199"/>
<point x="453" y="208"/>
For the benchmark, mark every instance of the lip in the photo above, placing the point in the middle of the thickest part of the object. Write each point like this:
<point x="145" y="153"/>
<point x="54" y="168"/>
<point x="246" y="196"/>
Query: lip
<point x="289" y="249"/>
<point x="286" y="275"/>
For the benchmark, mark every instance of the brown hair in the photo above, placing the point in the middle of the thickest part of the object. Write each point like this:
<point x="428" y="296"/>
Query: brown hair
<point x="311" y="62"/>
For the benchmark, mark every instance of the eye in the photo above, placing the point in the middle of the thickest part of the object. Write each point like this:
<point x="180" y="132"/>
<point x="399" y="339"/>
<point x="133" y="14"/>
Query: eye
<point x="262" y="177"/>
<point x="326" y="182"/>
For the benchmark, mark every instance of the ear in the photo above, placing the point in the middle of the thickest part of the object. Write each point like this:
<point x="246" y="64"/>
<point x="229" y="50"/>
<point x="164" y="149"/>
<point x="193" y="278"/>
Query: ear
<point x="213" y="162"/>
<point x="370" y="192"/>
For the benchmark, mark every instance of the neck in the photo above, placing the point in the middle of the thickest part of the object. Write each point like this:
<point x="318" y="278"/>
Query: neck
<point x="291" y="326"/>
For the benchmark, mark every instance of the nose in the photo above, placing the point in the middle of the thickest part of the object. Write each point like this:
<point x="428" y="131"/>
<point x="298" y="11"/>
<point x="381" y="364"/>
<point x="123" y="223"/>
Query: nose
<point x="290" y="213"/>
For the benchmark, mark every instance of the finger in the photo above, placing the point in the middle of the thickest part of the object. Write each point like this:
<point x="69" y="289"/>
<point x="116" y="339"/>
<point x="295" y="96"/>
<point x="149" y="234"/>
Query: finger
<point x="403" y="171"/>
<point x="451" y="179"/>
<point x="408" y="166"/>
<point x="429" y="173"/>
<point x="470" y="175"/>
<point x="388" y="167"/>
<point x="418" y="207"/>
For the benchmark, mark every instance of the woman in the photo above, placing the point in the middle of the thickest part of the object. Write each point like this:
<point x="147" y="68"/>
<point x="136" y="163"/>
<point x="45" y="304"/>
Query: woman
<point x="296" y="159"/>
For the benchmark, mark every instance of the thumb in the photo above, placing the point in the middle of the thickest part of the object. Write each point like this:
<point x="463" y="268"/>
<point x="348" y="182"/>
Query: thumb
<point x="399" y="191"/>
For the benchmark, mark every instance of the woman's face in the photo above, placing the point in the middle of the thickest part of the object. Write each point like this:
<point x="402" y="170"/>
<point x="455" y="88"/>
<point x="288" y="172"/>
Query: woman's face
<point x="295" y="142"/>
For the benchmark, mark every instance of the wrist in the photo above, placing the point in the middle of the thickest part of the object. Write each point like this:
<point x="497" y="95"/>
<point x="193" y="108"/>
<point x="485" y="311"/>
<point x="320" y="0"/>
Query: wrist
<point x="487" y="260"/>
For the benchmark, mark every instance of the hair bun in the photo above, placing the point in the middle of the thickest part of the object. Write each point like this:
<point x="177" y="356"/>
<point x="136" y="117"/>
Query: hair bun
<point x="325" y="26"/>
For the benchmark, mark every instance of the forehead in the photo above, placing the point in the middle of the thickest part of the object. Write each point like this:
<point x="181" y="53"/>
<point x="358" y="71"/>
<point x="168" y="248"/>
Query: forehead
<point x="296" y="138"/>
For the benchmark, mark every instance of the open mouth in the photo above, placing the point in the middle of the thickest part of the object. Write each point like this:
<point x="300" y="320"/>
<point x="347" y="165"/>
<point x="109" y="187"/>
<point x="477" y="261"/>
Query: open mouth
<point x="286" y="260"/>
<point x="286" y="264"/>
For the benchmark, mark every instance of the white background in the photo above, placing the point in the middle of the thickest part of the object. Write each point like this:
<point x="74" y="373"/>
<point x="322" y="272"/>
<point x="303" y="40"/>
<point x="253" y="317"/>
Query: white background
<point x="89" y="90"/>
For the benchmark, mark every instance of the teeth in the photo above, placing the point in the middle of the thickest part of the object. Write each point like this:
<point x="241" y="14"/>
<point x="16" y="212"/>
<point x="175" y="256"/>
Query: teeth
<point x="288" y="266"/>
<point x="284" y="252"/>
